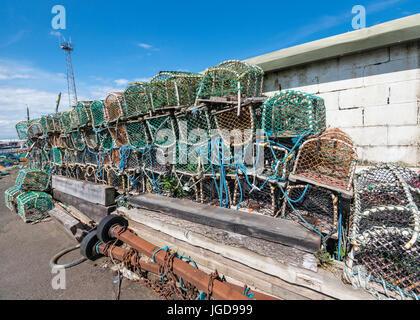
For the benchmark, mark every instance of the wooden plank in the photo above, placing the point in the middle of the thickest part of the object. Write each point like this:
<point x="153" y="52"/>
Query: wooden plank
<point x="95" y="212"/>
<point x="89" y="191"/>
<point x="268" y="228"/>
<point x="73" y="227"/>
<point x="289" y="282"/>
<point x="345" y="193"/>
<point x="234" y="272"/>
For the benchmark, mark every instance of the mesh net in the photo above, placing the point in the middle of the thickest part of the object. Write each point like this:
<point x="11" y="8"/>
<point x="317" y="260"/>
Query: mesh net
<point x="230" y="77"/>
<point x="34" y="205"/>
<point x="33" y="179"/>
<point x="136" y="134"/>
<point x="137" y="100"/>
<point x="83" y="112"/>
<point x="57" y="156"/>
<point x="161" y="130"/>
<point x="316" y="205"/>
<point x="10" y="196"/>
<point x="114" y="106"/>
<point x="328" y="161"/>
<point x="34" y="129"/>
<point x="292" y="114"/>
<point x="22" y="129"/>
<point x="97" y="113"/>
<point x="173" y="88"/>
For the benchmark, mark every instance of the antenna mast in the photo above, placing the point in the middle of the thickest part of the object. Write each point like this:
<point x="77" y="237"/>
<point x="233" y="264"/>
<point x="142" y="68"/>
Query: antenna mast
<point x="71" y="84"/>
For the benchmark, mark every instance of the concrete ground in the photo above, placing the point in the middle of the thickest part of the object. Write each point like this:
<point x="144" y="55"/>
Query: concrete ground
<point x="25" y="252"/>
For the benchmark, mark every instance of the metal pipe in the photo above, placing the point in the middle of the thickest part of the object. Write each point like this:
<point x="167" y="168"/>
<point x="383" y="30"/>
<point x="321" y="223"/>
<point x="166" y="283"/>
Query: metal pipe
<point x="201" y="280"/>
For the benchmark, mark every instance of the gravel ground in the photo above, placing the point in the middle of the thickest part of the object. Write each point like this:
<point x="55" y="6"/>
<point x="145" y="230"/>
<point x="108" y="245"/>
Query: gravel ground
<point x="25" y="252"/>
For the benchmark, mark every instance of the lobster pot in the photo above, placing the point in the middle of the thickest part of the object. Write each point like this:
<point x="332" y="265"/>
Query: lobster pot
<point x="113" y="106"/>
<point x="154" y="160"/>
<point x="327" y="161"/>
<point x="213" y="192"/>
<point x="235" y="130"/>
<point x="97" y="113"/>
<point x="271" y="161"/>
<point x="66" y="142"/>
<point x="112" y="157"/>
<point x="65" y="120"/>
<point x="134" y="160"/>
<point x="382" y="257"/>
<point x="173" y="88"/>
<point x="34" y="129"/>
<point x="80" y="173"/>
<point x="10" y="196"/>
<point x="39" y="158"/>
<point x="44" y="126"/>
<point x="54" y="140"/>
<point x="74" y="118"/>
<point x="293" y="113"/>
<point x="91" y="157"/>
<point x="263" y="201"/>
<point x="384" y="194"/>
<point x="57" y="156"/>
<point x="78" y="140"/>
<point x="193" y="126"/>
<point x="33" y="179"/>
<point x="83" y="112"/>
<point x="90" y="173"/>
<point x="34" y="205"/>
<point x="22" y="129"/>
<point x="115" y="179"/>
<point x="229" y="78"/>
<point x="161" y="130"/>
<point x="192" y="160"/>
<point x="70" y="157"/>
<point x="137" y="100"/>
<point x="91" y="138"/>
<point x="105" y="140"/>
<point x="81" y="156"/>
<point x="57" y="121"/>
<point x="119" y="134"/>
<point x="318" y="206"/>
<point x="187" y="187"/>
<point x="136" y="134"/>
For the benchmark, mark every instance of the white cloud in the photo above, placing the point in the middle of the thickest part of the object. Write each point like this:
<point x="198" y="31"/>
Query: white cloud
<point x="121" y="82"/>
<point x="145" y="45"/>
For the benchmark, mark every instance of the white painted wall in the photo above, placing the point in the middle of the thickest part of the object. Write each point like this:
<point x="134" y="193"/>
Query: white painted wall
<point x="374" y="96"/>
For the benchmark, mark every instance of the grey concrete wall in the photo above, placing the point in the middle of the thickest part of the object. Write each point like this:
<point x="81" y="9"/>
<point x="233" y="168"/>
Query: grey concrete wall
<point x="374" y="96"/>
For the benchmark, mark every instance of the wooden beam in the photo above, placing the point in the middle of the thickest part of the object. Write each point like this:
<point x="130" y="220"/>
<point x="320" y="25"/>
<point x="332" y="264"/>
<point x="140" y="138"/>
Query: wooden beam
<point x="268" y="228"/>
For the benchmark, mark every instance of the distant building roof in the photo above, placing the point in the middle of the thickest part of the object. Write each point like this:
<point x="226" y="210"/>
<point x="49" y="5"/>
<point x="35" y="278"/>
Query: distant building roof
<point x="381" y="35"/>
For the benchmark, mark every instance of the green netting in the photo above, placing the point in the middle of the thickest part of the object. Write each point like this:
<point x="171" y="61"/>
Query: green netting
<point x="34" y="129"/>
<point x="22" y="129"/>
<point x="57" y="121"/>
<point x="91" y="138"/>
<point x="105" y="140"/>
<point x="136" y="134"/>
<point x="50" y="123"/>
<point x="293" y="113"/>
<point x="57" y="156"/>
<point x="10" y="196"/>
<point x="161" y="130"/>
<point x="33" y="179"/>
<point x="173" y="88"/>
<point x="193" y="126"/>
<point x="44" y="126"/>
<point x="97" y="113"/>
<point x="83" y="112"/>
<point x="34" y="205"/>
<point x="74" y="119"/>
<point x="66" y="121"/>
<point x="227" y="78"/>
<point x="137" y="100"/>
<point x="78" y="140"/>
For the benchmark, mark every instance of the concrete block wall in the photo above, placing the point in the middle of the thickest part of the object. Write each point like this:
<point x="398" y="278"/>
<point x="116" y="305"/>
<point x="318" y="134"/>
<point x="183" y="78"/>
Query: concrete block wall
<point x="374" y="96"/>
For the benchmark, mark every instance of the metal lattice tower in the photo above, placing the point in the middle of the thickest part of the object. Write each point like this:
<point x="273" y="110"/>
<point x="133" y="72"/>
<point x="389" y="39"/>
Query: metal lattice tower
<point x="71" y="84"/>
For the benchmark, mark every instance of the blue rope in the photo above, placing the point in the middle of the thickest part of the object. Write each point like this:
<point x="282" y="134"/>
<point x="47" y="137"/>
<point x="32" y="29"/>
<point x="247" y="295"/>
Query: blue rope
<point x="154" y="253"/>
<point x="248" y="294"/>
<point x="339" y="231"/>
<point x="302" y="195"/>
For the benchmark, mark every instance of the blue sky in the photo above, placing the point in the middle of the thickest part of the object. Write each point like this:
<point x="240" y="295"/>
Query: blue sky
<point x="119" y="42"/>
